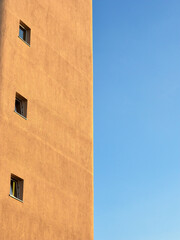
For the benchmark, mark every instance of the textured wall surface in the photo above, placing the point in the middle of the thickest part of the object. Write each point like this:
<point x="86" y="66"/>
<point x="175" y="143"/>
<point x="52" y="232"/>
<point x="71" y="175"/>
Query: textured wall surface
<point x="53" y="149"/>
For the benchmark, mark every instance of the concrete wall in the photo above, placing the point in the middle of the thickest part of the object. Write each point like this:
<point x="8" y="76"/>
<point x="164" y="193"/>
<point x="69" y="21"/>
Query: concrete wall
<point x="53" y="149"/>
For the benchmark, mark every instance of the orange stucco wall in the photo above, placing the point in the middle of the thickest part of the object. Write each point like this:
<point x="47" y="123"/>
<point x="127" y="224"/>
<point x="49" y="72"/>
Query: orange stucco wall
<point x="53" y="149"/>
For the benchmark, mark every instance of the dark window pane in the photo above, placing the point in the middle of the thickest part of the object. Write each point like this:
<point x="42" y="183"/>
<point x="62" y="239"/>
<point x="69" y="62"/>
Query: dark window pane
<point x="18" y="106"/>
<point x="13" y="190"/>
<point x="22" y="33"/>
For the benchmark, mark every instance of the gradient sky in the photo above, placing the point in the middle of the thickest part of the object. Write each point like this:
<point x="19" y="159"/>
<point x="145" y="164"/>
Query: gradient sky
<point x="137" y="119"/>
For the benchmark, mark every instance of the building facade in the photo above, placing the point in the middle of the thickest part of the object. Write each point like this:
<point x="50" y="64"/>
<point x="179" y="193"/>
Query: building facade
<point x="46" y="120"/>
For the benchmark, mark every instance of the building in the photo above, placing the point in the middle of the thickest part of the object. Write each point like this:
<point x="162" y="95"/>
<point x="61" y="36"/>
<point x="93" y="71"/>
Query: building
<point x="46" y="120"/>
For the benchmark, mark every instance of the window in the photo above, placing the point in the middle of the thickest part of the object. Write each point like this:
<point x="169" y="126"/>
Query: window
<point x="24" y="32"/>
<point x="16" y="187"/>
<point x="21" y="105"/>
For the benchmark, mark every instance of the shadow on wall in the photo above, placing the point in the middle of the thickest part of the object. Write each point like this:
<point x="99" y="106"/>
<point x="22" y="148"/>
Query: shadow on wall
<point x="1" y="19"/>
<point x="1" y="37"/>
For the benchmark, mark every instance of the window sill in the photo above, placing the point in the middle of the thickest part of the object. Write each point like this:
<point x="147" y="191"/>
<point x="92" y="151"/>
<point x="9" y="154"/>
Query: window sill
<point x="24" y="41"/>
<point x="16" y="198"/>
<point x="20" y="115"/>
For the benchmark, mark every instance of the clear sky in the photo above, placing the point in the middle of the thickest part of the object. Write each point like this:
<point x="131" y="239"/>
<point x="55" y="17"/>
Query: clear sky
<point x="137" y="119"/>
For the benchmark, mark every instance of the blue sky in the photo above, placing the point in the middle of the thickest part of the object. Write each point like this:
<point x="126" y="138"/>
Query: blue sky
<point x="136" y="119"/>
